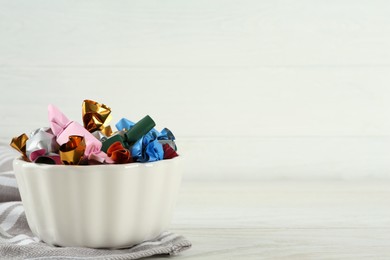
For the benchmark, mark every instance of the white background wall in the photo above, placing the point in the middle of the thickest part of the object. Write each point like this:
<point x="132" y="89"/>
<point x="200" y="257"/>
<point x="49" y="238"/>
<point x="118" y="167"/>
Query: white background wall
<point x="252" y="89"/>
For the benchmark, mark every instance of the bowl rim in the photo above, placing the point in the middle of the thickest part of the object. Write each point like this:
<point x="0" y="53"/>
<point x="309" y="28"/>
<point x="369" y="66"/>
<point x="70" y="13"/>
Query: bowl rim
<point x="20" y="161"/>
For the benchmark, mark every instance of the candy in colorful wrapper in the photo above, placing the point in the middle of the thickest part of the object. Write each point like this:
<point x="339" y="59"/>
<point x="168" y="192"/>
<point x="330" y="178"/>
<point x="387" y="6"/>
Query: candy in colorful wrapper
<point x="154" y="151"/>
<point x="41" y="139"/>
<point x="140" y="129"/>
<point x="142" y="138"/>
<point x="118" y="153"/>
<point x="111" y="140"/>
<point x="79" y="145"/>
<point x="103" y="134"/>
<point x="107" y="131"/>
<point x="72" y="152"/>
<point x="19" y="144"/>
<point x="99" y="135"/>
<point x="166" y="134"/>
<point x="171" y="143"/>
<point x="34" y="155"/>
<point x="166" y="137"/>
<point x="169" y="153"/>
<point x="148" y="149"/>
<point x="124" y="124"/>
<point x="41" y="156"/>
<point x="95" y="115"/>
<point x="63" y="128"/>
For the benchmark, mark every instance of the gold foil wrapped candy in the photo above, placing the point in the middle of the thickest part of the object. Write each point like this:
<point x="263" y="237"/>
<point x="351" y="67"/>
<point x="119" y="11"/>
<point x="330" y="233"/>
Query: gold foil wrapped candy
<point x="107" y="131"/>
<point x="71" y="152"/>
<point x="19" y="143"/>
<point x="96" y="116"/>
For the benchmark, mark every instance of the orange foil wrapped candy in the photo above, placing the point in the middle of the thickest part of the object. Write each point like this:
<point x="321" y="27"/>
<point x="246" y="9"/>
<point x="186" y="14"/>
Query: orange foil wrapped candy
<point x="19" y="144"/>
<point x="71" y="152"/>
<point x="118" y="153"/>
<point x="96" y="116"/>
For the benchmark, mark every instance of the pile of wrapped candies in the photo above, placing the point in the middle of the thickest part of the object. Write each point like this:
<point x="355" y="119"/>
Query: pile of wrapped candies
<point x="68" y="142"/>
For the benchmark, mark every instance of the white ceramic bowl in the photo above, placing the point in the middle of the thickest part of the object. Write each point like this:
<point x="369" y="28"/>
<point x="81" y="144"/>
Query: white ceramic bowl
<point x="100" y="206"/>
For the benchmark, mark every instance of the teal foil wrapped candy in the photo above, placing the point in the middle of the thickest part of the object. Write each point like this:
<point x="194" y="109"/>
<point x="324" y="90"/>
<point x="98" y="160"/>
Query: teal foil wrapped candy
<point x="112" y="139"/>
<point x="144" y="142"/>
<point x="140" y="129"/>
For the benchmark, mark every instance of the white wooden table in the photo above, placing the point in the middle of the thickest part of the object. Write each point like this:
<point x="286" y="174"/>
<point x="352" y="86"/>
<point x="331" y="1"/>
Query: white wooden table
<point x="285" y="220"/>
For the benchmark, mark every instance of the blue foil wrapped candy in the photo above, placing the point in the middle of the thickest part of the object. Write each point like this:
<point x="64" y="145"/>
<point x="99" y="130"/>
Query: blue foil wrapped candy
<point x="148" y="148"/>
<point x="124" y="124"/>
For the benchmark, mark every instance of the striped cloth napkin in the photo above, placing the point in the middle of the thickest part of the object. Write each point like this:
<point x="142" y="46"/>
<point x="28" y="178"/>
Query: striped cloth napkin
<point x="18" y="242"/>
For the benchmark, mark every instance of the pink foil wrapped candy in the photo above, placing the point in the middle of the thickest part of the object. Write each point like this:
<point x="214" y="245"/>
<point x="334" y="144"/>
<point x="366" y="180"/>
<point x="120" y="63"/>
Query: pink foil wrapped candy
<point x="62" y="128"/>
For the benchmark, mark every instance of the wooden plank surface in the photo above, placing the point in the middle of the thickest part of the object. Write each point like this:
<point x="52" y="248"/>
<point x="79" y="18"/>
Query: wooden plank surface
<point x="204" y="68"/>
<point x="228" y="77"/>
<point x="208" y="103"/>
<point x="194" y="33"/>
<point x="285" y="220"/>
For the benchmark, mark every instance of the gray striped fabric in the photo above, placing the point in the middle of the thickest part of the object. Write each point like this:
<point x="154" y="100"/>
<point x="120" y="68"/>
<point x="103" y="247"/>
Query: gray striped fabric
<point x="17" y="241"/>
